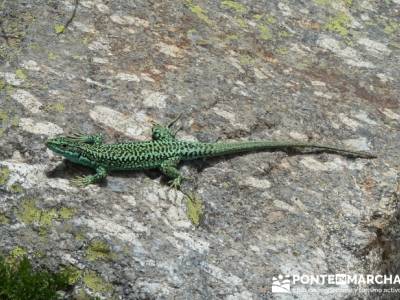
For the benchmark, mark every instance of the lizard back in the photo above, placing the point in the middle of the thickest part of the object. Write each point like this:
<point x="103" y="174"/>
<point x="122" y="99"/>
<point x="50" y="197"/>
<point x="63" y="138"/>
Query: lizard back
<point x="143" y="155"/>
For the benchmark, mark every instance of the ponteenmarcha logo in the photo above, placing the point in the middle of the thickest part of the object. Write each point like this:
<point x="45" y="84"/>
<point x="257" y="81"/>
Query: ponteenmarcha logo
<point x="288" y="284"/>
<point x="281" y="284"/>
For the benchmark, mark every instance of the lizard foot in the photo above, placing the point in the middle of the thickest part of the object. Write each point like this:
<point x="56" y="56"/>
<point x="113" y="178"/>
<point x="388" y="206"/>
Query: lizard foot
<point x="175" y="183"/>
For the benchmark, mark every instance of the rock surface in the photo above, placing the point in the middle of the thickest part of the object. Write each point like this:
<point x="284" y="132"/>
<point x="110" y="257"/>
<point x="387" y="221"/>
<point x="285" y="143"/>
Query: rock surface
<point x="317" y="70"/>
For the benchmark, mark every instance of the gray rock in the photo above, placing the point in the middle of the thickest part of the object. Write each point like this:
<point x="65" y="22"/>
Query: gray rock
<point x="307" y="70"/>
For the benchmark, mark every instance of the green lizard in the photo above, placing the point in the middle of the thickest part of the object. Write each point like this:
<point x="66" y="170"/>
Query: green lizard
<point x="163" y="152"/>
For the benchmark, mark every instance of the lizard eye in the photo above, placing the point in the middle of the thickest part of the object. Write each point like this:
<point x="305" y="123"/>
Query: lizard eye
<point x="64" y="145"/>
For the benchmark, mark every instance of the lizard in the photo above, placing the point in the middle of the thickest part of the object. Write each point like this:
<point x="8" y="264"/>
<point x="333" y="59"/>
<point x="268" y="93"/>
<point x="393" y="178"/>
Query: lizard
<point x="163" y="152"/>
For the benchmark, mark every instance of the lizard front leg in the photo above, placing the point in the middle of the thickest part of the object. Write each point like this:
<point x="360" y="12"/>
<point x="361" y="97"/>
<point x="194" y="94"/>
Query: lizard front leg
<point x="82" y="181"/>
<point x="168" y="168"/>
<point x="161" y="132"/>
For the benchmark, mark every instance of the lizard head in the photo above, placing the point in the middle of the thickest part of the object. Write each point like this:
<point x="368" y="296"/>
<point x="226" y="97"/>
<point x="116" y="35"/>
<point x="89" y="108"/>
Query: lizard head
<point x="69" y="148"/>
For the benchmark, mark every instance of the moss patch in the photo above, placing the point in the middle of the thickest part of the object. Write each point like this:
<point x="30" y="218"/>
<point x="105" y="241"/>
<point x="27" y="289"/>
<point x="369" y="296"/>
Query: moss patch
<point x="16" y="188"/>
<point x="66" y="213"/>
<point x="231" y="37"/>
<point x="20" y="74"/>
<point x="2" y="84"/>
<point x="348" y="3"/>
<point x="339" y="24"/>
<point x="4" y="119"/>
<point x="241" y="22"/>
<point x="18" y="252"/>
<point x="16" y="255"/>
<point x="194" y="209"/>
<point x="199" y="12"/>
<point x="72" y="273"/>
<point x="4" y="219"/>
<point x="30" y="214"/>
<point x="52" y="56"/>
<point x="98" y="250"/>
<point x="15" y="121"/>
<point x="391" y="27"/>
<point x="265" y="32"/>
<point x="79" y="236"/>
<point x="54" y="107"/>
<point x="246" y="60"/>
<point x="4" y="175"/>
<point x="236" y="6"/>
<point x="59" y="28"/>
<point x="96" y="283"/>
<point x="322" y="2"/>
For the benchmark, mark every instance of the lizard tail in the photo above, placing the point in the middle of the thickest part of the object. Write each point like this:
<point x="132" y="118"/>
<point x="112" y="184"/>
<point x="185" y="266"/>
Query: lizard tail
<point x="218" y="149"/>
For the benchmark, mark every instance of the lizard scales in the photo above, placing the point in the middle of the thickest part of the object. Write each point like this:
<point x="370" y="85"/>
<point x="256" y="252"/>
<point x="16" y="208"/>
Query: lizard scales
<point x="163" y="152"/>
<point x="150" y="154"/>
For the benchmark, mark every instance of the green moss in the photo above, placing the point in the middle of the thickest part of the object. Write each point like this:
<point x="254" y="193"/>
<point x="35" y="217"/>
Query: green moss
<point x="4" y="219"/>
<point x="66" y="213"/>
<point x="391" y="27"/>
<point x="16" y="188"/>
<point x="348" y="3"/>
<point x="2" y="84"/>
<point x="19" y="281"/>
<point x="194" y="209"/>
<point x="15" y="121"/>
<point x="72" y="273"/>
<point x="257" y="17"/>
<point x="241" y="22"/>
<point x="339" y="24"/>
<point x="327" y="3"/>
<point x="58" y="28"/>
<point x="246" y="60"/>
<point x="3" y="125"/>
<point x="96" y="283"/>
<point x="199" y="12"/>
<point x="192" y="32"/>
<point x="20" y="74"/>
<point x="4" y="175"/>
<point x="18" y="252"/>
<point x="265" y="32"/>
<point x="231" y="37"/>
<point x="322" y="2"/>
<point x="54" y="107"/>
<point x="98" y="250"/>
<point x="284" y="34"/>
<point x="16" y="255"/>
<point x="9" y="89"/>
<point x="238" y="7"/>
<point x="270" y="20"/>
<point x="33" y="46"/>
<point x="52" y="56"/>
<point x="282" y="50"/>
<point x="47" y="217"/>
<point x="30" y="214"/>
<point x="79" y="236"/>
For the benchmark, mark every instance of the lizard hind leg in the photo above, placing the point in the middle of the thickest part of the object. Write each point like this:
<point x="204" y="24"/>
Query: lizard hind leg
<point x="168" y="168"/>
